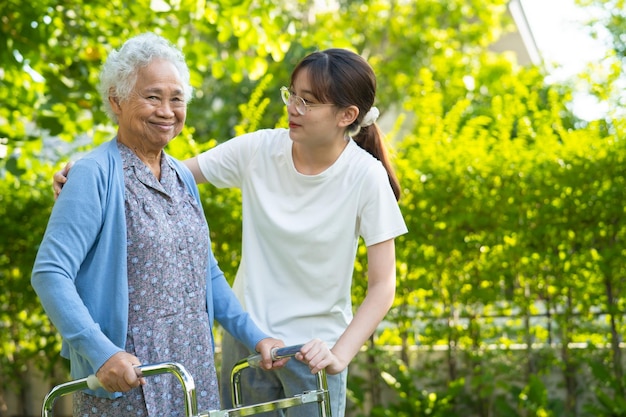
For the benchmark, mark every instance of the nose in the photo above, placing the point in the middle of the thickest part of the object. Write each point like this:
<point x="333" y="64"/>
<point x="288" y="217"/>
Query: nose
<point x="165" y="109"/>
<point x="292" y="107"/>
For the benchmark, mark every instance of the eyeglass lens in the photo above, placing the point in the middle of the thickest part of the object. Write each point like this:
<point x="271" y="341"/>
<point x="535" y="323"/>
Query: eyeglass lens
<point x="291" y="98"/>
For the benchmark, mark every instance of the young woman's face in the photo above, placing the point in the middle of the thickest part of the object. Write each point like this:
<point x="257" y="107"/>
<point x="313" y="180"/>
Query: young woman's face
<point x="318" y="124"/>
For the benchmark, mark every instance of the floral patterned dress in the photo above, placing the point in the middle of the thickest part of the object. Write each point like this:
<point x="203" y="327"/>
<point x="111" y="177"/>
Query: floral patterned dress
<point x="167" y="239"/>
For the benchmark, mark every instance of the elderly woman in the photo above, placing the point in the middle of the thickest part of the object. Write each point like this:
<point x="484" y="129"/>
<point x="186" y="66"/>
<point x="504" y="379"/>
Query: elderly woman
<point x="125" y="269"/>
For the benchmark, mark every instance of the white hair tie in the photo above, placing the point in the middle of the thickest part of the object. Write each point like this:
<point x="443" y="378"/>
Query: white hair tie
<point x="370" y="117"/>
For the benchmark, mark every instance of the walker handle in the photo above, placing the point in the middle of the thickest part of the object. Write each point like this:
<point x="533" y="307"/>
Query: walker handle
<point x="254" y="361"/>
<point x="91" y="382"/>
<point x="321" y="395"/>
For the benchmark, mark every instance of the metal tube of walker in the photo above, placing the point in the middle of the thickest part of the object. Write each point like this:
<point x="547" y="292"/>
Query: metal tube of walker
<point x="91" y="382"/>
<point x="253" y="361"/>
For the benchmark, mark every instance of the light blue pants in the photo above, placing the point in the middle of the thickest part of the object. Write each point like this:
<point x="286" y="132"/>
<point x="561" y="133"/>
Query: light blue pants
<point x="259" y="386"/>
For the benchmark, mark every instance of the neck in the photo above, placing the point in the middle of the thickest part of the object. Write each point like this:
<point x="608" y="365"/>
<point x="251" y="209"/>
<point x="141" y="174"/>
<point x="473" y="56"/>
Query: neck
<point x="150" y="157"/>
<point x="313" y="160"/>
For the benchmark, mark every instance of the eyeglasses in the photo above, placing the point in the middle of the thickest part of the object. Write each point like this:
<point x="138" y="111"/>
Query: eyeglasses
<point x="301" y="105"/>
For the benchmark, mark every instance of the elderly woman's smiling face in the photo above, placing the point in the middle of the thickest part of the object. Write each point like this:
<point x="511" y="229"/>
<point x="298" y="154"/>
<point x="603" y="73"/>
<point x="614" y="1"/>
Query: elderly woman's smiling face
<point x="156" y="110"/>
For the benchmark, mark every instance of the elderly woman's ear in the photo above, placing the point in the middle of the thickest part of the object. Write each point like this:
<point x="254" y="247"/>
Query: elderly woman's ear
<point x="115" y="104"/>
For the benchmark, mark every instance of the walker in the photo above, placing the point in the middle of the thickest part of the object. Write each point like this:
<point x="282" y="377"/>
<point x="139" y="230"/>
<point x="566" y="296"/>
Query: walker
<point x="320" y="395"/>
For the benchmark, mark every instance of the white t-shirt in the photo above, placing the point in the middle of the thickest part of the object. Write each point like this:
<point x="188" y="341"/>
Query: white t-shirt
<point x="301" y="232"/>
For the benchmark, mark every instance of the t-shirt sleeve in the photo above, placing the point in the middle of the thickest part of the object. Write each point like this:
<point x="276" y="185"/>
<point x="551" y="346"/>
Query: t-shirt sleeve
<point x="224" y="165"/>
<point x="380" y="218"/>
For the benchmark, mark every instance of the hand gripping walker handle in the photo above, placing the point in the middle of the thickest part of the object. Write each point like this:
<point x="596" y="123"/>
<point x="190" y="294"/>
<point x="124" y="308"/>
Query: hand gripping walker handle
<point x="254" y="361"/>
<point x="321" y="395"/>
<point x="91" y="382"/>
<point x="94" y="383"/>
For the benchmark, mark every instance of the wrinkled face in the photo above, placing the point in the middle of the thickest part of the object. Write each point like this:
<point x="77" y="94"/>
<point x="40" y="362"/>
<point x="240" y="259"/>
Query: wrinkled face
<point x="156" y="110"/>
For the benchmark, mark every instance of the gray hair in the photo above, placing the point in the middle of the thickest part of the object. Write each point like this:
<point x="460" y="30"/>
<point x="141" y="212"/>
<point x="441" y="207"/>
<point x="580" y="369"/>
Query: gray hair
<point x="119" y="72"/>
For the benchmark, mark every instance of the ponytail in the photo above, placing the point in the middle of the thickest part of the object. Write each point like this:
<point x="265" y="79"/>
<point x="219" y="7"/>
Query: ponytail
<point x="370" y="138"/>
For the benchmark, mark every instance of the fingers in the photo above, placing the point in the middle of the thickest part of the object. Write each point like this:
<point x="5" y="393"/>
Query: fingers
<point x="316" y="354"/>
<point x="265" y="347"/>
<point x="126" y="381"/>
<point x="57" y="184"/>
<point x="279" y="363"/>
<point x="119" y="373"/>
<point x="59" y="178"/>
<point x="67" y="167"/>
<point x="319" y="356"/>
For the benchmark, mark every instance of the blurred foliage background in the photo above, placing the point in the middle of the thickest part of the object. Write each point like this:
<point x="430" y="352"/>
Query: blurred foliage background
<point x="511" y="282"/>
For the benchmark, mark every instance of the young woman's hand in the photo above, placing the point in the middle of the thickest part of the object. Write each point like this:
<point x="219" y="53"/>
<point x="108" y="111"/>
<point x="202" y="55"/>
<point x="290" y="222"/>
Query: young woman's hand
<point x="59" y="178"/>
<point x="318" y="356"/>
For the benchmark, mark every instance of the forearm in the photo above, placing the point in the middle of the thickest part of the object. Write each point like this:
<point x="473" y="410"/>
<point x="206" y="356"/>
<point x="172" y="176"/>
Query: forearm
<point x="367" y="318"/>
<point x="381" y="290"/>
<point x="376" y="304"/>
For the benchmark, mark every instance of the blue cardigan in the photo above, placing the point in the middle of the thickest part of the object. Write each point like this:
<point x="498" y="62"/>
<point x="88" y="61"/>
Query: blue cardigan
<point x="80" y="271"/>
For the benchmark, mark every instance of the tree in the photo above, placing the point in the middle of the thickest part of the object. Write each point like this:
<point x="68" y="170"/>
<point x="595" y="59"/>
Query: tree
<point x="498" y="177"/>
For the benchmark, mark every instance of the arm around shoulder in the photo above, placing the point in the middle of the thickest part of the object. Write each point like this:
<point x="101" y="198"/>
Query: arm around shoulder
<point x="194" y="167"/>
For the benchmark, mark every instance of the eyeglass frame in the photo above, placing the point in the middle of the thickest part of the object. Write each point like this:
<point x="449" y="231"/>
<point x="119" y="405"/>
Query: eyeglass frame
<point x="301" y="105"/>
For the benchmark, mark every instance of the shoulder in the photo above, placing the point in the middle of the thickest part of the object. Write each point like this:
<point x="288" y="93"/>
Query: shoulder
<point x="245" y="147"/>
<point x="185" y="174"/>
<point x="364" y="164"/>
<point x="101" y="159"/>
<point x="182" y="170"/>
<point x="103" y="152"/>
<point x="264" y="138"/>
<point x="178" y="165"/>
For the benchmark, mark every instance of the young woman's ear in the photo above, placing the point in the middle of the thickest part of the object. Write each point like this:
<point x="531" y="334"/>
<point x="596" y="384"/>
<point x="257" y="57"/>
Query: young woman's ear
<point x="348" y="116"/>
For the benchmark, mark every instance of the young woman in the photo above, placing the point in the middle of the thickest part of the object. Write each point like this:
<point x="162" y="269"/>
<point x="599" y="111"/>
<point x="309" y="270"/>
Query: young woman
<point x="309" y="193"/>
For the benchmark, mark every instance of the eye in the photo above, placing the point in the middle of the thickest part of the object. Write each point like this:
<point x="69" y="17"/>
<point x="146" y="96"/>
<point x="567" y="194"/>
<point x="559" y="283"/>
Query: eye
<point x="310" y="101"/>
